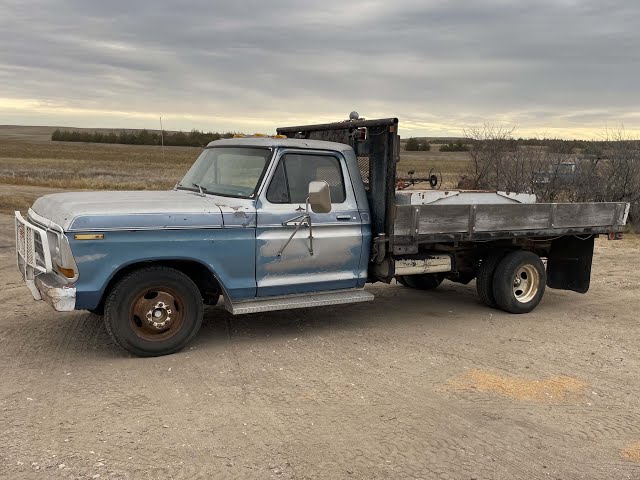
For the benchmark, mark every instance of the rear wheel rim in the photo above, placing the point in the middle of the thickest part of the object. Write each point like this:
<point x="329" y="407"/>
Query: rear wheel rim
<point x="526" y="283"/>
<point x="156" y="314"/>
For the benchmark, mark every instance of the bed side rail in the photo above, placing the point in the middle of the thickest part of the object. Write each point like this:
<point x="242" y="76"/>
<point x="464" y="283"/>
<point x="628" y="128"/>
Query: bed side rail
<point x="420" y="223"/>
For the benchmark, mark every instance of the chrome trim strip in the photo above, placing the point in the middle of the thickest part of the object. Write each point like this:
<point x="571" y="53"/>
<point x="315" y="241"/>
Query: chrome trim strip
<point x="136" y="229"/>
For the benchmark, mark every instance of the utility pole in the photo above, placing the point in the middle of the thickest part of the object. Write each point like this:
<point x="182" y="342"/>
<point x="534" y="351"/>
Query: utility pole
<point x="162" y="137"/>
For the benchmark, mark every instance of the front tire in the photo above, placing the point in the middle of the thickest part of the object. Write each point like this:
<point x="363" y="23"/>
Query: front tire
<point x="519" y="282"/>
<point x="153" y="311"/>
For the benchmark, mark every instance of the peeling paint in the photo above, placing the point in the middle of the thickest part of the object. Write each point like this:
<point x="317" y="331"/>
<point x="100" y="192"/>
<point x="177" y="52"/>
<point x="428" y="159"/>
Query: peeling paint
<point x="90" y="258"/>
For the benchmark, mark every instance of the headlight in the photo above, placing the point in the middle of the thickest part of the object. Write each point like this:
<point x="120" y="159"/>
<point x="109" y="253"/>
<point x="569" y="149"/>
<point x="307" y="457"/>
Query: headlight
<point x="65" y="263"/>
<point x="61" y="256"/>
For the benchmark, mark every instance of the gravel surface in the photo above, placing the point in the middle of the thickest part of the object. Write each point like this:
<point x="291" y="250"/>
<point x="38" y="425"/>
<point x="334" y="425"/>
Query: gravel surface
<point x="412" y="385"/>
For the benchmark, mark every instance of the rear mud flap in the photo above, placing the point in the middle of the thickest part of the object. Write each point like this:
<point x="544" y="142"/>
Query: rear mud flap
<point x="569" y="263"/>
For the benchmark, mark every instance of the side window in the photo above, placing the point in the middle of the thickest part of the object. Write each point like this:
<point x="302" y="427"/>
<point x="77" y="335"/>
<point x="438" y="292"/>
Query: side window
<point x="278" y="192"/>
<point x="290" y="182"/>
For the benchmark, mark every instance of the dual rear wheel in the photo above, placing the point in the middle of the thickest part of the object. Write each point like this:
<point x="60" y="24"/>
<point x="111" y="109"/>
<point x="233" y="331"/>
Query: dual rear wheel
<point x="514" y="281"/>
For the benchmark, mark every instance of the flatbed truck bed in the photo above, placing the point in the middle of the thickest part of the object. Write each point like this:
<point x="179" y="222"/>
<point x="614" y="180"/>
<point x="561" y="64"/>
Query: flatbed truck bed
<point x="424" y="224"/>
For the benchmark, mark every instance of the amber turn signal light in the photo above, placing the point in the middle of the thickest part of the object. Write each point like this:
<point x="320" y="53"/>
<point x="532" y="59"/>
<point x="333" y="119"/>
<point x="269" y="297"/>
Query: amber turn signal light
<point x="88" y="236"/>
<point x="67" y="272"/>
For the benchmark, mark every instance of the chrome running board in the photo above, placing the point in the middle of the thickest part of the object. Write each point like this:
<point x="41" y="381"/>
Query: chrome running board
<point x="287" y="302"/>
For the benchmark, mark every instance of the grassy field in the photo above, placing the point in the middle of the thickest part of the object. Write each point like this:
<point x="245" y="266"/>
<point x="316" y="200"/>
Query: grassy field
<point x="29" y="158"/>
<point x="92" y="166"/>
<point x="450" y="164"/>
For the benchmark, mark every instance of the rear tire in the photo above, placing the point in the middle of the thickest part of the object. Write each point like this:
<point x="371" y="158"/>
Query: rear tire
<point x="426" y="281"/>
<point x="519" y="282"/>
<point x="153" y="311"/>
<point x="484" y="278"/>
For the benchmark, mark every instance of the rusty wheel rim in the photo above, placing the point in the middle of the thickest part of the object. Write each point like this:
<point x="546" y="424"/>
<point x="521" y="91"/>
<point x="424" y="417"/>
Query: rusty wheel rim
<point x="156" y="314"/>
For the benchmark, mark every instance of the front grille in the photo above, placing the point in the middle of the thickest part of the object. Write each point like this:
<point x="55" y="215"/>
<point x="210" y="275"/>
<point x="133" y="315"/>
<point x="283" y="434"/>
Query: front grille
<point x="39" y="249"/>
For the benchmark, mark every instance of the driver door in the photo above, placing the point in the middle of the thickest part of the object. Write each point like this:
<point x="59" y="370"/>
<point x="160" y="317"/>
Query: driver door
<point x="337" y="235"/>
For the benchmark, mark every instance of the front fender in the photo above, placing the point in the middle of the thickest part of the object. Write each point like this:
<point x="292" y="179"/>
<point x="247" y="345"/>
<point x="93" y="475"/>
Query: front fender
<point x="228" y="253"/>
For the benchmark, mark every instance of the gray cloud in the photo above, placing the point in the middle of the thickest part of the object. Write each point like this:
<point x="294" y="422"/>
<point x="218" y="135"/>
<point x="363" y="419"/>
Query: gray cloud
<point x="439" y="66"/>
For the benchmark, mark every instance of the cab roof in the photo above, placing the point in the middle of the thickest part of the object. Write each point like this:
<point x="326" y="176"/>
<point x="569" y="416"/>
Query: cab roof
<point x="279" y="142"/>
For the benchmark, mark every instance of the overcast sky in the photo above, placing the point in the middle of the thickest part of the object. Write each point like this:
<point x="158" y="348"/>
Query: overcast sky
<point x="556" y="68"/>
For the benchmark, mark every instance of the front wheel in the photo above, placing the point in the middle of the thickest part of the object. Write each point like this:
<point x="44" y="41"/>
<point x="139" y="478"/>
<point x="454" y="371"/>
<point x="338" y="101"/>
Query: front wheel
<point x="153" y="311"/>
<point x="519" y="282"/>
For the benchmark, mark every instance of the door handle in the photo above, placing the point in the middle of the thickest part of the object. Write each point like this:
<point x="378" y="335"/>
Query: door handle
<point x="343" y="217"/>
<point x="295" y="221"/>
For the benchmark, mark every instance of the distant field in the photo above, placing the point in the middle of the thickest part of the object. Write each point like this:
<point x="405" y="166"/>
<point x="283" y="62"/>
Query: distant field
<point x="450" y="164"/>
<point x="29" y="158"/>
<point x="90" y="165"/>
<point x="85" y="166"/>
<point x="26" y="132"/>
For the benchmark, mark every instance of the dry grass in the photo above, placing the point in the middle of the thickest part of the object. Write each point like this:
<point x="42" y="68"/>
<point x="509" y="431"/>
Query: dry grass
<point x="450" y="164"/>
<point x="552" y="389"/>
<point x="92" y="166"/>
<point x="84" y="166"/>
<point x="21" y="198"/>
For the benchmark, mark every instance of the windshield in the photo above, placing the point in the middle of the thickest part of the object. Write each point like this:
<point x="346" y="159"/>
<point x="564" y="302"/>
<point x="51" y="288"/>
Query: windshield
<point x="229" y="171"/>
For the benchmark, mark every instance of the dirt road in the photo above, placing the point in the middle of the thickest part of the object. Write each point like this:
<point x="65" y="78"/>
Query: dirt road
<point x="412" y="385"/>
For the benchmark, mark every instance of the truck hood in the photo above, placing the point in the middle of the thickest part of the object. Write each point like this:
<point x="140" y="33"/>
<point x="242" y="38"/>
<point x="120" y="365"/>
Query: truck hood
<point x="137" y="210"/>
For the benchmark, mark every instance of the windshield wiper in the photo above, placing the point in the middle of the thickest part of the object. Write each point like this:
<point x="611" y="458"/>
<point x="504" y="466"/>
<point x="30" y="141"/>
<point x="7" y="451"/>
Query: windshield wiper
<point x="199" y="188"/>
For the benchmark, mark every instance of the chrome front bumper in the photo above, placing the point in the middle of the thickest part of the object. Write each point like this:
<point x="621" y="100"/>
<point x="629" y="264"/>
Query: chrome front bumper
<point x="61" y="296"/>
<point x="34" y="262"/>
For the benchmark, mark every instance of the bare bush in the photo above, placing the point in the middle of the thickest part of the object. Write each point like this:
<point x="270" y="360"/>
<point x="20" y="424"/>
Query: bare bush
<point x="604" y="171"/>
<point x="520" y="168"/>
<point x="499" y="162"/>
<point x="620" y="172"/>
<point x="488" y="148"/>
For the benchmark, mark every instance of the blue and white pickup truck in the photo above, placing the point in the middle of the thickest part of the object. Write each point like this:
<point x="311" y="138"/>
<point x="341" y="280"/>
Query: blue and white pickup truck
<point x="302" y="219"/>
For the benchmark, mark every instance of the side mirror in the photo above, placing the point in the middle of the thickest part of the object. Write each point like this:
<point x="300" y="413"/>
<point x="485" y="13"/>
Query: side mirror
<point x="319" y="197"/>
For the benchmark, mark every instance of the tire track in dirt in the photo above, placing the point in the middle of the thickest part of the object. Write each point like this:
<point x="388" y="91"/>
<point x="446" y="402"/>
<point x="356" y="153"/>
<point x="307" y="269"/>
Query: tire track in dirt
<point x="285" y="433"/>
